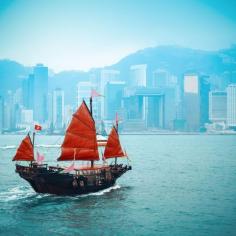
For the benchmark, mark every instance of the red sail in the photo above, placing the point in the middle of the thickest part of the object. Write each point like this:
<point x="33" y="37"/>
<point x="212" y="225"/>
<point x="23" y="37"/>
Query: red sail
<point x="113" y="147"/>
<point x="80" y="141"/>
<point x="25" y="151"/>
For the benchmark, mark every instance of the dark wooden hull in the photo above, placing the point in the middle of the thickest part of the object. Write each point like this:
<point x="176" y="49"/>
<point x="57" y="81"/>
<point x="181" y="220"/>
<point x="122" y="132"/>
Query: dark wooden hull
<point x="44" y="179"/>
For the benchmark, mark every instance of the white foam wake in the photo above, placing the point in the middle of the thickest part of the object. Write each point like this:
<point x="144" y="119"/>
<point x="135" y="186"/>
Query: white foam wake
<point x="38" y="145"/>
<point x="16" y="193"/>
<point x="48" y="145"/>
<point x="102" y="192"/>
<point x="8" y="147"/>
<point x="23" y="192"/>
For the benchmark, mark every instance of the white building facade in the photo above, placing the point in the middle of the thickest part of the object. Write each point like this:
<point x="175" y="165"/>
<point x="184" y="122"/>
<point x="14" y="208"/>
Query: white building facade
<point x="231" y="105"/>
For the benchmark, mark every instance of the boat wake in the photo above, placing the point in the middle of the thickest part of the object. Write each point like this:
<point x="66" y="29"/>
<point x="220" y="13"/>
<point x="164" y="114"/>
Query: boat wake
<point x="7" y="147"/>
<point x="38" y="145"/>
<point x="17" y="193"/>
<point x="48" y="145"/>
<point x="102" y="192"/>
<point x="23" y="192"/>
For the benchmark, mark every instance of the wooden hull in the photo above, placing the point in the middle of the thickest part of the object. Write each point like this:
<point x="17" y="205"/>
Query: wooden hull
<point x="44" y="179"/>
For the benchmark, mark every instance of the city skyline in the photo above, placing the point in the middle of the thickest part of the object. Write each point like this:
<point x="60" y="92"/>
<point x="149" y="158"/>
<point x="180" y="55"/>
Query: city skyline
<point x="81" y="35"/>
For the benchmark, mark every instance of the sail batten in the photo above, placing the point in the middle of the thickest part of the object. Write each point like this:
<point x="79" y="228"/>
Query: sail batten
<point x="113" y="147"/>
<point x="80" y="142"/>
<point x="25" y="151"/>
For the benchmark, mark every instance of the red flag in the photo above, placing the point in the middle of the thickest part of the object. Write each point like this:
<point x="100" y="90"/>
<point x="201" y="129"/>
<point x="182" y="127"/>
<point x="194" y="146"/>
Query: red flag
<point x="94" y="93"/>
<point x="38" y="127"/>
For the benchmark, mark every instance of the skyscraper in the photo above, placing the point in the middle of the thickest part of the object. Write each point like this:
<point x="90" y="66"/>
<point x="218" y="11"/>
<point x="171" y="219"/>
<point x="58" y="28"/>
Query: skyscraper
<point x="107" y="76"/>
<point x="114" y="94"/>
<point x="160" y="78"/>
<point x="83" y="92"/>
<point x="58" y="109"/>
<point x="28" y="92"/>
<point x="40" y="93"/>
<point x="1" y="114"/>
<point x="195" y="101"/>
<point x="231" y="105"/>
<point x="9" y="111"/>
<point x="138" y="75"/>
<point x="217" y="106"/>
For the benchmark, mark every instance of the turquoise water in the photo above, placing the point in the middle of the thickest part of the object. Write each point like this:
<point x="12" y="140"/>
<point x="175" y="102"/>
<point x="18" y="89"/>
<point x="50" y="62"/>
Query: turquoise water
<point x="179" y="185"/>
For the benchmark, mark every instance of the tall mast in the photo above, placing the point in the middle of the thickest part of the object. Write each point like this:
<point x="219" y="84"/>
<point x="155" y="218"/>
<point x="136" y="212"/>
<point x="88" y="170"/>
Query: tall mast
<point x="91" y="111"/>
<point x="117" y="126"/>
<point x="33" y="145"/>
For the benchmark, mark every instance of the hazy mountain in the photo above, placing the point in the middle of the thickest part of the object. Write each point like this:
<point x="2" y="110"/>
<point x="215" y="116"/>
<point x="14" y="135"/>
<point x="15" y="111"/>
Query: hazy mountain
<point x="176" y="60"/>
<point x="68" y="80"/>
<point x="11" y="74"/>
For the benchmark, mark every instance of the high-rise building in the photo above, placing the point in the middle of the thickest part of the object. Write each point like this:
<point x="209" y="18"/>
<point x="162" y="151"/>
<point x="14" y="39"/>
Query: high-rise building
<point x="160" y="78"/>
<point x="231" y="105"/>
<point x="1" y="114"/>
<point x="83" y="92"/>
<point x="217" y="106"/>
<point x="58" y="109"/>
<point x="27" y="116"/>
<point x="40" y="93"/>
<point x="138" y="75"/>
<point x="195" y="101"/>
<point x="9" y="111"/>
<point x="113" y="101"/>
<point x="106" y="76"/>
<point x="68" y="114"/>
<point x="28" y="92"/>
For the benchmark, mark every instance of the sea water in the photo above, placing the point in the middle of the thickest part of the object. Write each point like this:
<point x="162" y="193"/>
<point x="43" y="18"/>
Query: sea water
<point x="179" y="185"/>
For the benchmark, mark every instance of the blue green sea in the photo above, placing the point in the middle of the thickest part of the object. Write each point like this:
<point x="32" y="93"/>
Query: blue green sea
<point x="179" y="185"/>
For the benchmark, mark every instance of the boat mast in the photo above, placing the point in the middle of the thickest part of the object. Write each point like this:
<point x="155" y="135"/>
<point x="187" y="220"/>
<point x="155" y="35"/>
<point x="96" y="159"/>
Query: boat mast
<point x="91" y="112"/>
<point x="117" y="126"/>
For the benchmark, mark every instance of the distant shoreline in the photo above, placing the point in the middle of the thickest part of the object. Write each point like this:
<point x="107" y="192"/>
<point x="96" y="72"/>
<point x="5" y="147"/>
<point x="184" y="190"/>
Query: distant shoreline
<point x="140" y="133"/>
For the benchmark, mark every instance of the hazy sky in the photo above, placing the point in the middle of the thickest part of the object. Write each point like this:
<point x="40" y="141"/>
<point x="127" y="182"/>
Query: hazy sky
<point x="76" y="34"/>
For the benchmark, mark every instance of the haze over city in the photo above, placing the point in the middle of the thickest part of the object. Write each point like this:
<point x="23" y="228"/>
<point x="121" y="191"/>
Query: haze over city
<point x="165" y="65"/>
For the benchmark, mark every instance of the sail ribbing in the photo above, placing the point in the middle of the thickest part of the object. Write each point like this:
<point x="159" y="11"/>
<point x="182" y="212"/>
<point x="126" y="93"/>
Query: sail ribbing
<point x="113" y="147"/>
<point x="25" y="151"/>
<point x="80" y="142"/>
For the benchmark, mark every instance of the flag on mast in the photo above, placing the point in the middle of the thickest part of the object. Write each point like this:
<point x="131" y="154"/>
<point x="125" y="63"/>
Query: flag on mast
<point x="38" y="127"/>
<point x="94" y="93"/>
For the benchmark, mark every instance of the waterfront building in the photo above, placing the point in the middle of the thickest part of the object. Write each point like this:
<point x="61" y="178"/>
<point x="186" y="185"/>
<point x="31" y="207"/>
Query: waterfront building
<point x="40" y="93"/>
<point x="8" y="111"/>
<point x="28" y="92"/>
<point x="231" y="106"/>
<point x="83" y="92"/>
<point x="217" y="106"/>
<point x="105" y="77"/>
<point x="195" y="101"/>
<point x="160" y="78"/>
<point x="138" y="75"/>
<point x="58" y="109"/>
<point x="1" y="114"/>
<point x="68" y="114"/>
<point x="27" y="116"/>
<point x="113" y="100"/>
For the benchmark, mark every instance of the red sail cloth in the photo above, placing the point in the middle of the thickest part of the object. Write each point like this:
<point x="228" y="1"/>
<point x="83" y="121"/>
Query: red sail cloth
<point x="80" y="142"/>
<point x="25" y="151"/>
<point x="113" y="147"/>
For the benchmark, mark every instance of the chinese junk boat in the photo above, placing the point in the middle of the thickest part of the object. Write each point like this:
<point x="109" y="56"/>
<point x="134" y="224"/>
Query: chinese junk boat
<point x="80" y="144"/>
